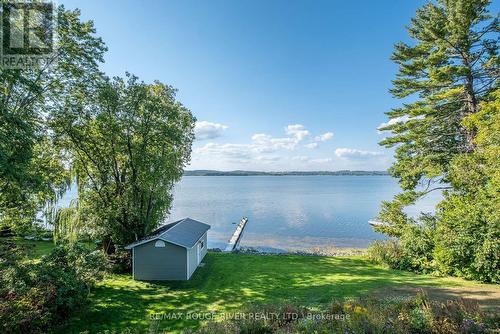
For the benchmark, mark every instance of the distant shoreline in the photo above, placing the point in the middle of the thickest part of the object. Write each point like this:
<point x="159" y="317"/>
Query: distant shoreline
<point x="290" y="173"/>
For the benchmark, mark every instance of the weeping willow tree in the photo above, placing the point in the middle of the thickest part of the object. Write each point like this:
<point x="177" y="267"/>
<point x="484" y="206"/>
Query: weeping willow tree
<point x="68" y="223"/>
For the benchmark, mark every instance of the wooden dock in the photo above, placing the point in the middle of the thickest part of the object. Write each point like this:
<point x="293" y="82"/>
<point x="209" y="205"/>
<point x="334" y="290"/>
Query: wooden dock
<point x="234" y="242"/>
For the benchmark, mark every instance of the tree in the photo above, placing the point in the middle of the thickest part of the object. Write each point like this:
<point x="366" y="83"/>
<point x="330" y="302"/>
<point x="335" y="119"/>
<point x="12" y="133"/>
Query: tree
<point x="451" y="67"/>
<point x="468" y="234"/>
<point x="445" y="140"/>
<point x="31" y="169"/>
<point x="129" y="143"/>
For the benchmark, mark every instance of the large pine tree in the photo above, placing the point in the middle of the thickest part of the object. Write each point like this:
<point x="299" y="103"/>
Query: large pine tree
<point x="445" y="73"/>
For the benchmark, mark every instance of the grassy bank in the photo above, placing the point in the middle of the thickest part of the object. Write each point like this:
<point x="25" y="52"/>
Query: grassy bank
<point x="229" y="281"/>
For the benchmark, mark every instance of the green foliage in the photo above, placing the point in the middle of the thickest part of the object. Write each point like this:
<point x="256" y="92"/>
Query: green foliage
<point x="32" y="249"/>
<point x="121" y="261"/>
<point x="129" y="142"/>
<point x="410" y="315"/>
<point x="446" y="138"/>
<point x="468" y="233"/>
<point x="468" y="242"/>
<point x="68" y="223"/>
<point x="38" y="296"/>
<point x="451" y="66"/>
<point x="31" y="170"/>
<point x="387" y="252"/>
<point x="412" y="252"/>
<point x="393" y="215"/>
<point x="417" y="243"/>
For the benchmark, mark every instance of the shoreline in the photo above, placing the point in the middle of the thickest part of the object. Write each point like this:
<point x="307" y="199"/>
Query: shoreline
<point x="285" y="173"/>
<point x="313" y="251"/>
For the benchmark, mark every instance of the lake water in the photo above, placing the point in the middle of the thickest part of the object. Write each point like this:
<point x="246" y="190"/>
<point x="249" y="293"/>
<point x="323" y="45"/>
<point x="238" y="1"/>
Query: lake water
<point x="289" y="212"/>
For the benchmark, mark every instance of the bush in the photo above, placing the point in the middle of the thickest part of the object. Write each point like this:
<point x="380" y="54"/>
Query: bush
<point x="38" y="296"/>
<point x="417" y="243"/>
<point x="404" y="315"/>
<point x="412" y="251"/>
<point x="121" y="261"/>
<point x="469" y="234"/>
<point x="387" y="252"/>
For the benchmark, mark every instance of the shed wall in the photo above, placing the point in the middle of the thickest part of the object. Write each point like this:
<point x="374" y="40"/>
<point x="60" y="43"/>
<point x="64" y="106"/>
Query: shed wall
<point x="159" y="263"/>
<point x="193" y="256"/>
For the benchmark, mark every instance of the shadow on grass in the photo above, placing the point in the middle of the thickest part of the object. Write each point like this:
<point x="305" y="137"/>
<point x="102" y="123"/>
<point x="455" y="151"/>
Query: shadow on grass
<point x="228" y="282"/>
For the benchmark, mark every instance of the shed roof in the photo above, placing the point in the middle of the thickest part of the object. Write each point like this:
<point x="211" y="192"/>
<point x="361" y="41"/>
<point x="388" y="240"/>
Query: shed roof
<point x="185" y="233"/>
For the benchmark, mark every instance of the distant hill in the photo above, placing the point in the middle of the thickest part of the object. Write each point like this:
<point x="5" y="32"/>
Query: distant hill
<point x="296" y="173"/>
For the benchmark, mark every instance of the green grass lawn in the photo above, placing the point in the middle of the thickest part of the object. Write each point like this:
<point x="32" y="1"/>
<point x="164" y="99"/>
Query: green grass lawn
<point x="229" y="281"/>
<point x="35" y="249"/>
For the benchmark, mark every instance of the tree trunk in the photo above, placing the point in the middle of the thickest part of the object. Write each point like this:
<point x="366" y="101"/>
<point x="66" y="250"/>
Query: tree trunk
<point x="471" y="108"/>
<point x="108" y="246"/>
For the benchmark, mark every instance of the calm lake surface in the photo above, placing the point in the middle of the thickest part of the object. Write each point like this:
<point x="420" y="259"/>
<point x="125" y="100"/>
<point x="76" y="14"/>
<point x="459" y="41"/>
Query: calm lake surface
<point x="289" y="212"/>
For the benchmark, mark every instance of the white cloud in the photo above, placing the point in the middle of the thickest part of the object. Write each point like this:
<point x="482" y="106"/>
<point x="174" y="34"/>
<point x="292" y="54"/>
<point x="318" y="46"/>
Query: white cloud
<point x="352" y="153"/>
<point x="260" y="145"/>
<point x="298" y="131"/>
<point x="267" y="158"/>
<point x="262" y="142"/>
<point x="300" y="158"/>
<point x="288" y="152"/>
<point x="306" y="159"/>
<point x="266" y="143"/>
<point x="321" y="160"/>
<point x="396" y="120"/>
<point x="392" y="121"/>
<point x="234" y="152"/>
<point x="311" y="145"/>
<point x="207" y="130"/>
<point x="324" y="137"/>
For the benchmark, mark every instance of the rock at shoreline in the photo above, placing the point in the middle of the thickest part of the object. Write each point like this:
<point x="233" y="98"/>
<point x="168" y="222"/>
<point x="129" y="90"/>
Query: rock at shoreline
<point x="315" y="251"/>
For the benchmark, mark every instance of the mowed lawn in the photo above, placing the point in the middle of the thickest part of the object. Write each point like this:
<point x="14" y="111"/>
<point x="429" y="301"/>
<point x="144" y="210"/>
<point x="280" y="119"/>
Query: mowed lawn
<point x="229" y="281"/>
<point x="34" y="249"/>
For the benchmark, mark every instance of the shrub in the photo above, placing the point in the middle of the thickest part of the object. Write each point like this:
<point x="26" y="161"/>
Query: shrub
<point x="417" y="242"/>
<point x="468" y="235"/>
<point x="121" y="261"/>
<point x="412" y="251"/>
<point x="38" y="296"/>
<point x="387" y="252"/>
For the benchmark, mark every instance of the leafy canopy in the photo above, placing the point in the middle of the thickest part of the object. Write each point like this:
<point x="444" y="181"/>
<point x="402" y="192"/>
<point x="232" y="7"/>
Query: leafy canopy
<point x="129" y="143"/>
<point x="31" y="169"/>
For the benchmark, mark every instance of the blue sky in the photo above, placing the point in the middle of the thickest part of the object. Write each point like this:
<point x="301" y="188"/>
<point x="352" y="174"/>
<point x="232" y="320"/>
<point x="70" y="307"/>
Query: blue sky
<point x="275" y="85"/>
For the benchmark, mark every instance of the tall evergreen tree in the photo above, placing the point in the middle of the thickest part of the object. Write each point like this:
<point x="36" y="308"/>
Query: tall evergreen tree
<point x="447" y="75"/>
<point x="444" y="74"/>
